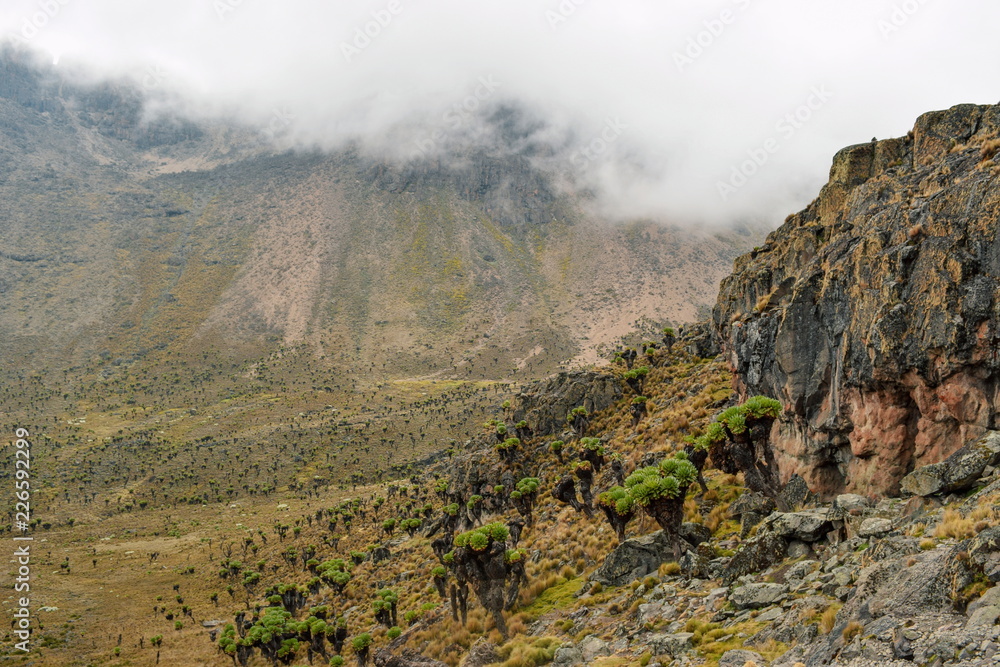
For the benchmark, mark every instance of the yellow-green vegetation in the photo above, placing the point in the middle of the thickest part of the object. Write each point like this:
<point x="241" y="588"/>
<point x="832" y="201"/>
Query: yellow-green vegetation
<point x="528" y="651"/>
<point x="558" y="596"/>
<point x="714" y="641"/>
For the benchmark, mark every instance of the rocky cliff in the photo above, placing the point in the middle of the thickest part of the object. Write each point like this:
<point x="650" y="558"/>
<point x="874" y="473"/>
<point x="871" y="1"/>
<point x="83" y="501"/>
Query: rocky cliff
<point x="873" y="313"/>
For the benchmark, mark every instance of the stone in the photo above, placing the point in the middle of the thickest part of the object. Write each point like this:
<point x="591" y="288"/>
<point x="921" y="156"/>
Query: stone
<point x="593" y="647"/>
<point x="671" y="644"/>
<point x="757" y="553"/>
<point x="751" y="508"/>
<point x="798" y="549"/>
<point x="694" y="533"/>
<point x="957" y="472"/>
<point x="901" y="647"/>
<point x="695" y="565"/>
<point x="807" y="526"/>
<point x="848" y="504"/>
<point x="795" y="492"/>
<point x="756" y="596"/>
<point x="739" y="657"/>
<point x="482" y="653"/>
<point x="544" y="404"/>
<point x="874" y="527"/>
<point x="842" y="576"/>
<point x="894" y="587"/>
<point x="567" y="655"/>
<point x="842" y="593"/>
<point x="772" y="614"/>
<point x="985" y="616"/>
<point x="714" y="596"/>
<point x="990" y="597"/>
<point x="633" y="559"/>
<point x="984" y="550"/>
<point x="893" y="547"/>
<point x="661" y="591"/>
<point x="655" y="611"/>
<point x="801" y="570"/>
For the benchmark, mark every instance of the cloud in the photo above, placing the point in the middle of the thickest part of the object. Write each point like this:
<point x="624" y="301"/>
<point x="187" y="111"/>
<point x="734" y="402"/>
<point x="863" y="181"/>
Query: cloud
<point x="658" y="106"/>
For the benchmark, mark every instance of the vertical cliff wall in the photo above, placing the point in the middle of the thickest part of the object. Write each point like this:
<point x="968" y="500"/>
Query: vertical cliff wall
<point x="873" y="314"/>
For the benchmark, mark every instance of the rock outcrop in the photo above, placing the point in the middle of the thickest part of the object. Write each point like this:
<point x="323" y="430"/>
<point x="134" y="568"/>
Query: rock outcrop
<point x="545" y="404"/>
<point x="873" y="314"/>
<point x="634" y="559"/>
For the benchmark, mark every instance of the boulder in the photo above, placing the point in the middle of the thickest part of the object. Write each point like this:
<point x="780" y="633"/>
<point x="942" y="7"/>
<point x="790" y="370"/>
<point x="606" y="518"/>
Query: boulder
<point x="697" y="564"/>
<point x="807" y="526"/>
<point x="568" y="655"/>
<point x="406" y="658"/>
<point x="893" y="547"/>
<point x="756" y="596"/>
<point x="655" y="611"/>
<point x="874" y="527"/>
<point x="544" y="404"/>
<point x="634" y="559"/>
<point x="757" y="553"/>
<point x="695" y="533"/>
<point x="593" y="647"/>
<point x="848" y="504"/>
<point x="957" y="472"/>
<point x="798" y="549"/>
<point x="750" y="508"/>
<point x="671" y="644"/>
<point x="984" y="550"/>
<point x="990" y="598"/>
<point x="795" y="492"/>
<point x="799" y="571"/>
<point x="984" y="617"/>
<point x="481" y="654"/>
<point x="739" y="657"/>
<point x="842" y="576"/>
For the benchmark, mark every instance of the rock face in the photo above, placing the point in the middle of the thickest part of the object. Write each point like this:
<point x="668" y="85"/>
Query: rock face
<point x="546" y="404"/>
<point x="873" y="314"/>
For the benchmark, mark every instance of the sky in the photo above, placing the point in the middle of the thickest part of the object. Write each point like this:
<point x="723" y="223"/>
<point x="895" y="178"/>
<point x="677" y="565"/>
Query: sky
<point x="698" y="113"/>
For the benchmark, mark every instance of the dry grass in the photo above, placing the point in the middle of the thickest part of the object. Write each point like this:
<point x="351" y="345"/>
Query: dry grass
<point x="989" y="150"/>
<point x="684" y="394"/>
<point x="829" y="618"/>
<point x="671" y="569"/>
<point x="852" y="630"/>
<point x="953" y="525"/>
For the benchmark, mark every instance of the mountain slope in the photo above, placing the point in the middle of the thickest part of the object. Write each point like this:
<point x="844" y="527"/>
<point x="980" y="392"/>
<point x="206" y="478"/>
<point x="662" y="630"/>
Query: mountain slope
<point x="131" y="238"/>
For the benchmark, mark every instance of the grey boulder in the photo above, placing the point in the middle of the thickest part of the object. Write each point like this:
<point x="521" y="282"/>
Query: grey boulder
<point x="957" y="472"/>
<point x="756" y="596"/>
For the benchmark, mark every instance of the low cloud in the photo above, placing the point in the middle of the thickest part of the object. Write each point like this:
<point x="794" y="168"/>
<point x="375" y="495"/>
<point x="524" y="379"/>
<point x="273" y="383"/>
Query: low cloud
<point x="665" y="109"/>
